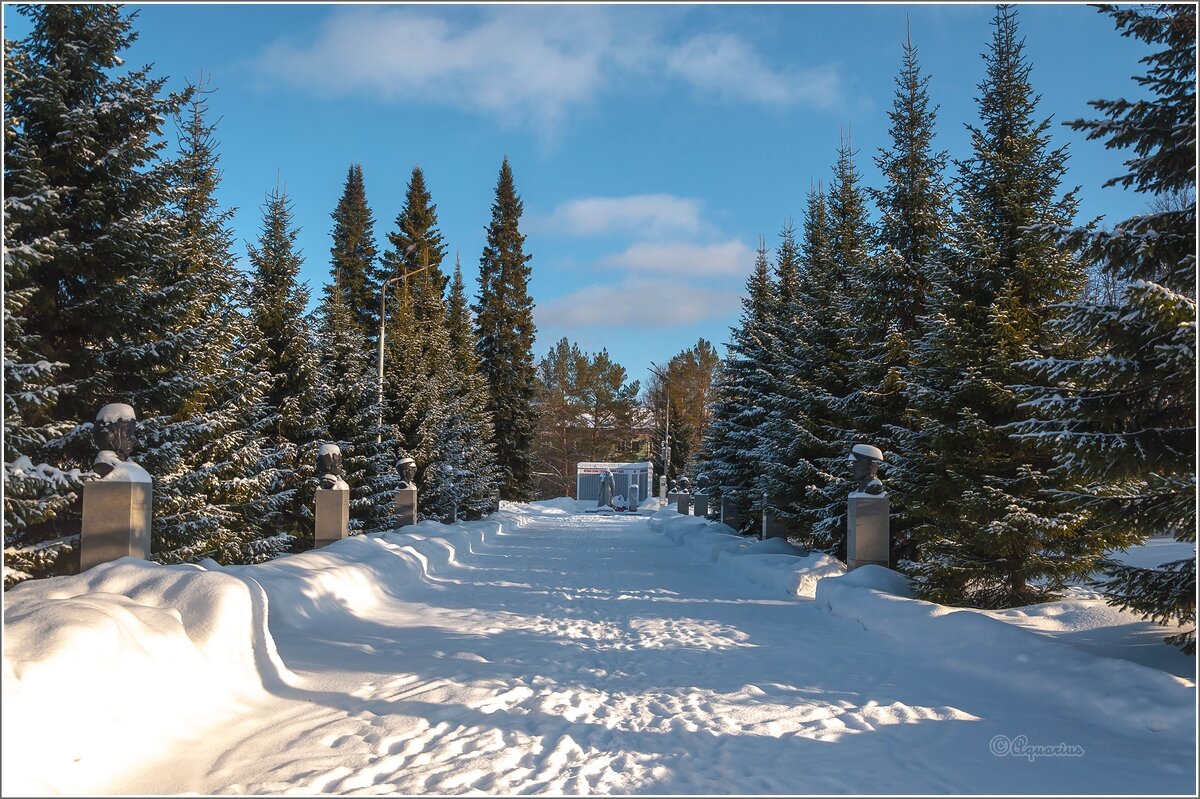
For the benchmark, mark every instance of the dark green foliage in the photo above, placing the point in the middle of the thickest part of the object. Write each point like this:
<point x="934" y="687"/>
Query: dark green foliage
<point x="417" y="245"/>
<point x="356" y="276"/>
<point x="87" y="232"/>
<point x="350" y="389"/>
<point x="504" y="340"/>
<point x="983" y="516"/>
<point x="910" y="242"/>
<point x="586" y="411"/>
<point x="1120" y="415"/>
<point x="293" y="423"/>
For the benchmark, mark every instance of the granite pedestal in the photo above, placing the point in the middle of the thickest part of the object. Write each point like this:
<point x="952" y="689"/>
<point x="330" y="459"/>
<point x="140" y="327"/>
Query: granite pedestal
<point x="406" y="506"/>
<point x="116" y="521"/>
<point x="700" y="504"/>
<point x="333" y="516"/>
<point x="868" y="537"/>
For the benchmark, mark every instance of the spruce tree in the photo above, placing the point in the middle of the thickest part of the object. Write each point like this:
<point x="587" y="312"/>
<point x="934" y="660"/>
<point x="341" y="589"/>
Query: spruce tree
<point x="417" y="245"/>
<point x="294" y="419"/>
<point x="910" y="239"/>
<point x="801" y="433"/>
<point x="731" y="446"/>
<point x="988" y="532"/>
<point x="1120" y="416"/>
<point x="87" y="229"/>
<point x="350" y="389"/>
<point x="356" y="276"/>
<point x="476" y="479"/>
<point x="505" y="334"/>
<point x="201" y="445"/>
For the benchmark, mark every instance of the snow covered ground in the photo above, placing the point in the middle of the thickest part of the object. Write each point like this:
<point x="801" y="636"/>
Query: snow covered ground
<point x="550" y="651"/>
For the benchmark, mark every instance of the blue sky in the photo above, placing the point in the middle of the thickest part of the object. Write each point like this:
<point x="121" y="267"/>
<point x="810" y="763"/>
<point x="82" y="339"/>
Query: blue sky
<point x="652" y="144"/>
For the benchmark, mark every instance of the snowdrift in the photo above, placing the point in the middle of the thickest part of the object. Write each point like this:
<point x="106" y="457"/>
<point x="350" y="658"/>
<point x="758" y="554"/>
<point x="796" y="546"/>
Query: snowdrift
<point x="987" y="644"/>
<point x="126" y="655"/>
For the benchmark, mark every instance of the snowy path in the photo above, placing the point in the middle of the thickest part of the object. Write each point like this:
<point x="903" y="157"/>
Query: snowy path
<point x="583" y="654"/>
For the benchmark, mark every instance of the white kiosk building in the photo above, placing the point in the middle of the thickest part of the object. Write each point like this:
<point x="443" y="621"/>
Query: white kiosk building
<point x="587" y="479"/>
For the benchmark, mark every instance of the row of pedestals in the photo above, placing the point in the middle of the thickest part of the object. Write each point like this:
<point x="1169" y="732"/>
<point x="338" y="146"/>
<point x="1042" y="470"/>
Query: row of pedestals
<point x="117" y="517"/>
<point x="333" y="513"/>
<point x="868" y="534"/>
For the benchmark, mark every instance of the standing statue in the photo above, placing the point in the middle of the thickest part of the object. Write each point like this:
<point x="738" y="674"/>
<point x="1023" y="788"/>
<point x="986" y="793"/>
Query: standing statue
<point x="329" y="467"/>
<point x="115" y="435"/>
<point x="867" y="460"/>
<point x="408" y="472"/>
<point x="607" y="487"/>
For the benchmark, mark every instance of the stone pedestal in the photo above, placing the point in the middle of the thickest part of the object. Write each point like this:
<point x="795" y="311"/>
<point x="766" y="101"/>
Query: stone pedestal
<point x="772" y="527"/>
<point x="868" y="535"/>
<point x="333" y="516"/>
<point x="683" y="503"/>
<point x="633" y="497"/>
<point x="406" y="506"/>
<point x="662" y="488"/>
<point x="116" y="521"/>
<point x="700" y="504"/>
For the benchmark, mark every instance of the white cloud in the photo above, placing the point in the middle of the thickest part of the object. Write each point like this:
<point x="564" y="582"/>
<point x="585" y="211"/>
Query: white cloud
<point x="727" y="65"/>
<point x="526" y="65"/>
<point x="648" y="215"/>
<point x="637" y="303"/>
<point x="519" y="64"/>
<point x="722" y="258"/>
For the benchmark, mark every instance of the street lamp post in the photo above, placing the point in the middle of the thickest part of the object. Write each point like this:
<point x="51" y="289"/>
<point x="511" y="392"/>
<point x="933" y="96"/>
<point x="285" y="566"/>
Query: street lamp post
<point x="403" y="276"/>
<point x="667" y="426"/>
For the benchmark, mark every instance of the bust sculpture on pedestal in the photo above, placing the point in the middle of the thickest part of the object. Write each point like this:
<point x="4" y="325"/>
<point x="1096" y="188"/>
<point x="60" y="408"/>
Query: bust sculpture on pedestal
<point x="117" y="508"/>
<point x="332" y="521"/>
<point x="406" y="494"/>
<point x="868" y="532"/>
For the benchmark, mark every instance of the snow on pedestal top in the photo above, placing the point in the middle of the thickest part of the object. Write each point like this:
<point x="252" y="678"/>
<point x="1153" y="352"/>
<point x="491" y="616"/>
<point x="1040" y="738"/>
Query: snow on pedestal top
<point x="115" y="412"/>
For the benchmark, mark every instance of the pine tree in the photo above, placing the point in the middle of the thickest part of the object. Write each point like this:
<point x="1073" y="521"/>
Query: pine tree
<point x="911" y="236"/>
<point x="294" y="420"/>
<point x="86" y="230"/>
<point x="505" y="334"/>
<point x="356" y="277"/>
<point x="987" y="530"/>
<point x="561" y="405"/>
<point x="1121" y="415"/>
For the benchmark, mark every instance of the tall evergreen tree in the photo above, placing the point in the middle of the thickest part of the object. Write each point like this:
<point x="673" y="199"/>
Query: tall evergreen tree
<point x="987" y="531"/>
<point x="476" y="479"/>
<point x="87" y="229"/>
<point x="561" y="405"/>
<point x="504" y="321"/>
<point x="801" y="434"/>
<point x="731" y="446"/>
<point x="911" y="236"/>
<point x="351" y="392"/>
<point x="201" y="445"/>
<point x="417" y="245"/>
<point x="1121" y="415"/>
<point x="356" y="276"/>
<point x="294" y="420"/>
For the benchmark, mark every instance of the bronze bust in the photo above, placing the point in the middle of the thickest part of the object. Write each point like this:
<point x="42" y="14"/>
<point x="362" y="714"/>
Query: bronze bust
<point x="115" y="435"/>
<point x="329" y="466"/>
<point x="867" y="460"/>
